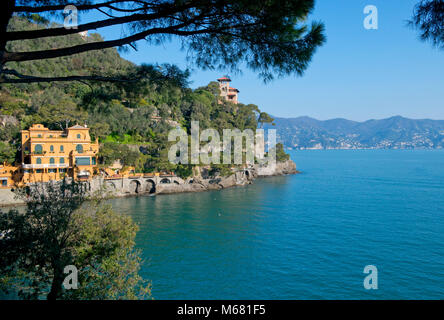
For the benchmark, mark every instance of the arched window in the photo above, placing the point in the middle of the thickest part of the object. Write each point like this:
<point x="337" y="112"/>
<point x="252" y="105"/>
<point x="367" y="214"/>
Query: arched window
<point x="61" y="148"/>
<point x="38" y="148"/>
<point x="79" y="148"/>
<point x="51" y="148"/>
<point x="62" y="160"/>
<point x="38" y="161"/>
<point x="78" y="136"/>
<point x="51" y="161"/>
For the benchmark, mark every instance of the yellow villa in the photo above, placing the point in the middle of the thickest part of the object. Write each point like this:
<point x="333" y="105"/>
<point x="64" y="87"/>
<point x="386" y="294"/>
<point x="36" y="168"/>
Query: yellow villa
<point x="53" y="154"/>
<point x="7" y="175"/>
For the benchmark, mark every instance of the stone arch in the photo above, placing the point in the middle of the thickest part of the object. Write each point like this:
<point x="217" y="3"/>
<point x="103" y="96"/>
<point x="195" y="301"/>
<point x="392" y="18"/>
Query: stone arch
<point x="134" y="186"/>
<point x="110" y="185"/>
<point x="150" y="186"/>
<point x="165" y="181"/>
<point x="176" y="182"/>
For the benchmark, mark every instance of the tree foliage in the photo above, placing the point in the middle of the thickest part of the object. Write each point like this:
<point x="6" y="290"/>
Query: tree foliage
<point x="56" y="230"/>
<point x="428" y="18"/>
<point x="270" y="37"/>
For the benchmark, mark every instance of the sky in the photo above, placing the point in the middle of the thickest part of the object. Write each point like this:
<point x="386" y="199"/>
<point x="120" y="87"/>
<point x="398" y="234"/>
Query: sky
<point x="358" y="74"/>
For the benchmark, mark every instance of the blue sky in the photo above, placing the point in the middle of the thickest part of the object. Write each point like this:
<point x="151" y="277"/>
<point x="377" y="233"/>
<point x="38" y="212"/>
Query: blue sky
<point x="358" y="74"/>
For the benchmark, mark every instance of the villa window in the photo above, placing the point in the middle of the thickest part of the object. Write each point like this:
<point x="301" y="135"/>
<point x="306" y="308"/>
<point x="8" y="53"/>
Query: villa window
<point x="38" y="148"/>
<point x="39" y="136"/>
<point x="79" y="148"/>
<point x="83" y="161"/>
<point x="51" y="148"/>
<point x="93" y="161"/>
<point x="52" y="170"/>
<point x="39" y="170"/>
<point x="78" y="136"/>
<point x="38" y="161"/>
<point x="62" y="160"/>
<point x="61" y="149"/>
<point x="51" y="161"/>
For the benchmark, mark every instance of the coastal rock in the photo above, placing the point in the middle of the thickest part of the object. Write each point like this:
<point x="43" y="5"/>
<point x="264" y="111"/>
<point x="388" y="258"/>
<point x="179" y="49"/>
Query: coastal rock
<point x="281" y="168"/>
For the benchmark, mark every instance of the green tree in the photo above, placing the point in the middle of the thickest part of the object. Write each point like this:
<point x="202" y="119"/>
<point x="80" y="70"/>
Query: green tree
<point x="280" y="153"/>
<point x="270" y="37"/>
<point x="7" y="153"/>
<point x="264" y="118"/>
<point x="56" y="231"/>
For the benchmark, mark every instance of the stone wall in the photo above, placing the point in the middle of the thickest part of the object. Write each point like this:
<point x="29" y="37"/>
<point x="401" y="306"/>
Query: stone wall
<point x="170" y="184"/>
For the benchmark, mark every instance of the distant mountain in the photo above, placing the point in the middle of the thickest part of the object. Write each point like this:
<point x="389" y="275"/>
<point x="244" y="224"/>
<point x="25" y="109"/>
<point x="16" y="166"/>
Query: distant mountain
<point x="391" y="133"/>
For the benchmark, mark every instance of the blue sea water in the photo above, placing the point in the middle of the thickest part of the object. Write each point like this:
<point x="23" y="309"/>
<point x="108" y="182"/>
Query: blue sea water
<point x="305" y="236"/>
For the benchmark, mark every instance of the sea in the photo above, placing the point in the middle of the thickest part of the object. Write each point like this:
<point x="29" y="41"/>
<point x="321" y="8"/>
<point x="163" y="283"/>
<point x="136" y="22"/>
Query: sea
<point x="306" y="236"/>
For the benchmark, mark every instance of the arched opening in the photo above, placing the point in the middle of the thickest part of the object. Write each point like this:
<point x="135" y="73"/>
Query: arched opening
<point x="176" y="182"/>
<point x="51" y="160"/>
<point x="150" y="186"/>
<point x="79" y="148"/>
<point x="38" y="149"/>
<point x="38" y="161"/>
<point x="134" y="186"/>
<point x="165" y="181"/>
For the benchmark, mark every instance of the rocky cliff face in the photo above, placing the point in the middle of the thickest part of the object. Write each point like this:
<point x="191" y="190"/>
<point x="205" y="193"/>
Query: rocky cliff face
<point x="281" y="168"/>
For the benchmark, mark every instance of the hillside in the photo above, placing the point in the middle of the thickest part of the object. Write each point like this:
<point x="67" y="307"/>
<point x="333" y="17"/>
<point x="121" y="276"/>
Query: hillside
<point x="391" y="133"/>
<point x="131" y="120"/>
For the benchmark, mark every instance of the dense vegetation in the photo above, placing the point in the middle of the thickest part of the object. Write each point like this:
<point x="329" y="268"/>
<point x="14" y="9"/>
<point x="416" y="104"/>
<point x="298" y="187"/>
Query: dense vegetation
<point x="131" y="120"/>
<point x="58" y="228"/>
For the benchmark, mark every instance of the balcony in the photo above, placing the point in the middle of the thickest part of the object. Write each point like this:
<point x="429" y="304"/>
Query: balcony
<point x="45" y="165"/>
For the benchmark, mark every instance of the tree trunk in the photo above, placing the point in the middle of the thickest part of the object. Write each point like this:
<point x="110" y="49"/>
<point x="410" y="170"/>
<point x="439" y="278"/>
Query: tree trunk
<point x="57" y="281"/>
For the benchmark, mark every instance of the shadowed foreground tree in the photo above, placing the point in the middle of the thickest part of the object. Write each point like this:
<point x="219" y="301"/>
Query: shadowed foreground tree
<point x="428" y="18"/>
<point x="59" y="229"/>
<point x="270" y="37"/>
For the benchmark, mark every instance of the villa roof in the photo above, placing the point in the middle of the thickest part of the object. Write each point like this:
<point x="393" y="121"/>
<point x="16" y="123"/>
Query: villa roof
<point x="77" y="127"/>
<point x="224" y="79"/>
<point x="233" y="89"/>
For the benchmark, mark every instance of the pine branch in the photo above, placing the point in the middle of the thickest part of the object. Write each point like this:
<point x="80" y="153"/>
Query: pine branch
<point x="32" y="79"/>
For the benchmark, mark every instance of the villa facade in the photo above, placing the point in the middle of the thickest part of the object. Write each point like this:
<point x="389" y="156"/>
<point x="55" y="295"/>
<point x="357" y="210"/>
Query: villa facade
<point x="54" y="154"/>
<point x="48" y="155"/>
<point x="228" y="93"/>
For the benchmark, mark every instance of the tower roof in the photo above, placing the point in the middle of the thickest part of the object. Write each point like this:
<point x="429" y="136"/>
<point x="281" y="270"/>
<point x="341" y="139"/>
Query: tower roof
<point x="224" y="79"/>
